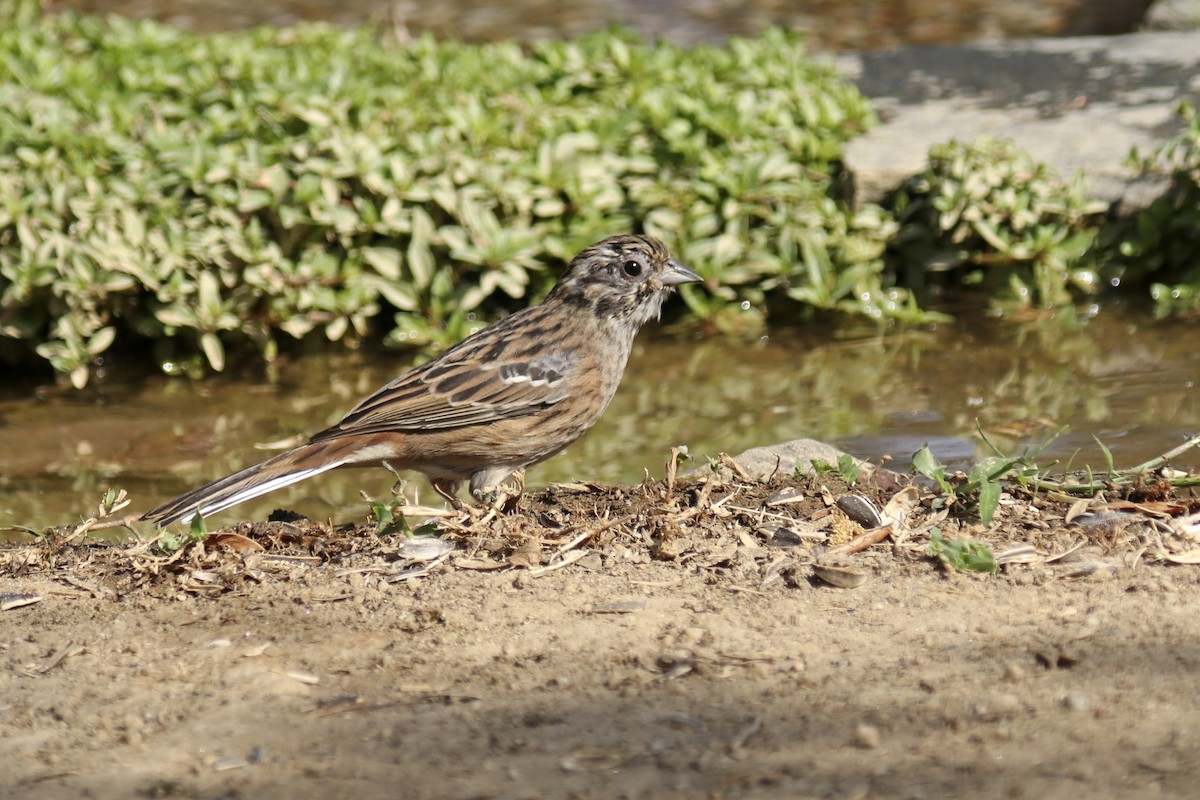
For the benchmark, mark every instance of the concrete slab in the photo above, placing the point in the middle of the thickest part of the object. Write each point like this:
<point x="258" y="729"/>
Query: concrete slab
<point x="1080" y="105"/>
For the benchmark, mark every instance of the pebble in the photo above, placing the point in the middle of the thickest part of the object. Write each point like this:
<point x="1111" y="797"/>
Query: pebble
<point x="1003" y="705"/>
<point x="1014" y="673"/>
<point x="867" y="736"/>
<point x="133" y="729"/>
<point x="1077" y="701"/>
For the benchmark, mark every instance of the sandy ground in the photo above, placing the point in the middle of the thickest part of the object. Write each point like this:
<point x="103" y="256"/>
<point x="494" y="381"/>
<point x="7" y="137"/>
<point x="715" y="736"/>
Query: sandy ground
<point x="612" y="643"/>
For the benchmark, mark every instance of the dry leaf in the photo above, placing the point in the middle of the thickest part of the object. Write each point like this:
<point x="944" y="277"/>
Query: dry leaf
<point x="527" y="555"/>
<point x="236" y="542"/>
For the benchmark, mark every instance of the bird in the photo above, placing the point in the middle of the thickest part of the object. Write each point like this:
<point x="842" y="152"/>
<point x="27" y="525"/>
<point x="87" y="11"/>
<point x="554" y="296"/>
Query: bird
<point x="507" y="397"/>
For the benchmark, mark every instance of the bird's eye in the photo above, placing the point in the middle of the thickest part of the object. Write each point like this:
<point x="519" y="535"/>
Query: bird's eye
<point x="632" y="268"/>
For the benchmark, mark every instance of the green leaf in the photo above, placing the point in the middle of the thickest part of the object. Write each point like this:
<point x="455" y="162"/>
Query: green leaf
<point x="420" y="254"/>
<point x="385" y="261"/>
<point x="214" y="351"/>
<point x="962" y="555"/>
<point x="1108" y="456"/>
<point x="924" y="463"/>
<point x="101" y="340"/>
<point x="989" y="500"/>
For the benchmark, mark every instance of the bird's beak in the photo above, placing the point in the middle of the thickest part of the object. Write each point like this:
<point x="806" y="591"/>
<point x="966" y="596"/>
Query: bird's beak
<point x="677" y="274"/>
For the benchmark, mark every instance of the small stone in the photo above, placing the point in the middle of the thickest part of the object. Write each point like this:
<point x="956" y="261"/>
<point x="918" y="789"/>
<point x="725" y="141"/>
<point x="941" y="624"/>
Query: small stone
<point x="133" y="728"/>
<point x="670" y="659"/>
<point x="867" y="736"/>
<point x="1077" y="701"/>
<point x="1014" y="673"/>
<point x="1004" y="705"/>
<point x="790" y="665"/>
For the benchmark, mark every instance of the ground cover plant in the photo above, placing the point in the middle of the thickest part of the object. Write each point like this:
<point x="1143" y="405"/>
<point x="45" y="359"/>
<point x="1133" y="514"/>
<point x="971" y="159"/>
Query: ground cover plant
<point x="177" y="196"/>
<point x="989" y="215"/>
<point x="236" y="190"/>
<point x="1162" y="243"/>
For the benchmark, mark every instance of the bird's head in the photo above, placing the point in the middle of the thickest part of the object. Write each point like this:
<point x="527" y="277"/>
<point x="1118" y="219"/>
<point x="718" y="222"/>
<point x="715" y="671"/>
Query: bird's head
<point x="623" y="278"/>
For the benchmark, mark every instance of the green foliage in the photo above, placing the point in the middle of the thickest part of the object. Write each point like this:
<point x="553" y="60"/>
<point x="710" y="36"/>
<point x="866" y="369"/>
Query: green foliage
<point x="390" y="519"/>
<point x="113" y="501"/>
<point x="962" y="555"/>
<point x="680" y="455"/>
<point x="981" y="486"/>
<point x="1163" y="243"/>
<point x="386" y="520"/>
<point x="212" y="192"/>
<point x="1125" y="482"/>
<point x="168" y="542"/>
<point x="846" y="468"/>
<point x="991" y="214"/>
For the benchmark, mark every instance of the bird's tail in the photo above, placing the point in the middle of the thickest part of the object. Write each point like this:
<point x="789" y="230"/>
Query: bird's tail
<point x="267" y="476"/>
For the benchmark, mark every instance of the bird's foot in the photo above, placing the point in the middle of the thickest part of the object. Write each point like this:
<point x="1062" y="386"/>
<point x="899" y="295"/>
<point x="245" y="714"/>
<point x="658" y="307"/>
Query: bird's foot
<point x="505" y="496"/>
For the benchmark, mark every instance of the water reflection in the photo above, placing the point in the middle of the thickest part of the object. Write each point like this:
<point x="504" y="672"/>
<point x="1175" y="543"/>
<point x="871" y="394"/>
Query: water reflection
<point x="1130" y="382"/>
<point x="835" y="24"/>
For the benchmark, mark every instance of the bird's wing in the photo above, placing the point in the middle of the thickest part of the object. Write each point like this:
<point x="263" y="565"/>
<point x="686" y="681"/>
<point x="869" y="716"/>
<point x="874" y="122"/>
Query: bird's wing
<point x="461" y="388"/>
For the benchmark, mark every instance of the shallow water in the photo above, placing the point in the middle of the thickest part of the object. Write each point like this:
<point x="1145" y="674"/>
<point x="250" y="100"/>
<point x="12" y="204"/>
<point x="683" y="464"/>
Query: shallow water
<point x="1124" y="379"/>
<point x="833" y="24"/>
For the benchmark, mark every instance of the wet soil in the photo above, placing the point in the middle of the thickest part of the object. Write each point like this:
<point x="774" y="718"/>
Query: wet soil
<point x="594" y="641"/>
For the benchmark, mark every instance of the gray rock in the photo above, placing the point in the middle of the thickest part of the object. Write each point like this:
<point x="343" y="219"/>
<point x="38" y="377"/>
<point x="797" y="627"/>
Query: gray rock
<point x="1078" y="104"/>
<point x="1173" y="15"/>
<point x="760" y="463"/>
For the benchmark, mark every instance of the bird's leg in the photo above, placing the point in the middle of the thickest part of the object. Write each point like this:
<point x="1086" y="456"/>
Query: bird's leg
<point x="448" y="489"/>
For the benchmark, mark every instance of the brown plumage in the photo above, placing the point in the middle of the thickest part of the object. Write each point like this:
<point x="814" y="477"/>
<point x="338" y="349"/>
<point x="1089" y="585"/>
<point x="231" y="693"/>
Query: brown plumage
<point x="506" y="397"/>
